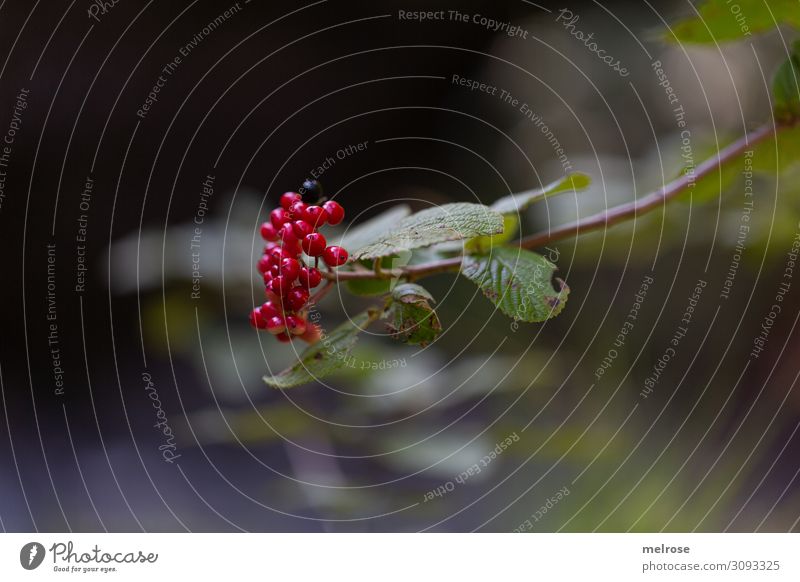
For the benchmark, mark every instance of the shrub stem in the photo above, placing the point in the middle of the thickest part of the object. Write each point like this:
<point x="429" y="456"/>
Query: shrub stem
<point x="609" y="217"/>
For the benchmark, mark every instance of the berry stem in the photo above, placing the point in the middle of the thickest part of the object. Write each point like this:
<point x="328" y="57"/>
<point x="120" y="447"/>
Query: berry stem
<point x="622" y="212"/>
<point x="317" y="297"/>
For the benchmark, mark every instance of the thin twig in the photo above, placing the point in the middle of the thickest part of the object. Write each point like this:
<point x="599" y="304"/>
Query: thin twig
<point x="654" y="200"/>
<point x="317" y="297"/>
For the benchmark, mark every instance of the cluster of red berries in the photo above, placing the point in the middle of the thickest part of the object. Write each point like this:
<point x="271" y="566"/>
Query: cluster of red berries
<point x="288" y="277"/>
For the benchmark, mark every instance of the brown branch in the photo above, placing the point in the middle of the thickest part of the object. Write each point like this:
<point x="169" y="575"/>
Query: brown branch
<point x="653" y="200"/>
<point x="609" y="217"/>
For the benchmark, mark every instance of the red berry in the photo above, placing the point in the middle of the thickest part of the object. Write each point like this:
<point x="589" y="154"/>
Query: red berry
<point x="297" y="210"/>
<point x="314" y="244"/>
<point x="301" y="228"/>
<point x="335" y="256"/>
<point x="278" y="217"/>
<point x="270" y="246"/>
<point x="290" y="198"/>
<point x="280" y="253"/>
<point x="310" y="277"/>
<point x="276" y="325"/>
<point x="335" y="212"/>
<point x="264" y="263"/>
<point x="257" y="320"/>
<point x="269" y="310"/>
<point x="268" y="231"/>
<point x="293" y="250"/>
<point x="284" y="337"/>
<point x="297" y="298"/>
<point x="268" y="277"/>
<point x="316" y="216"/>
<point x="286" y="234"/>
<point x="295" y="324"/>
<point x="280" y="285"/>
<point x="290" y="269"/>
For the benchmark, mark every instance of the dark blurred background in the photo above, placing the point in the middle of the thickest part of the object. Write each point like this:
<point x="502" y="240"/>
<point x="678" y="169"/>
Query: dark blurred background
<point x="258" y="101"/>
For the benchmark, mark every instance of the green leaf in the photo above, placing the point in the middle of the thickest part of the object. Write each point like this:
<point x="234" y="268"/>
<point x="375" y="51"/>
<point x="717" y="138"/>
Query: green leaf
<point x="785" y="88"/>
<point x="412" y="319"/>
<point x="435" y="252"/>
<point x="519" y="282"/>
<point x="372" y="229"/>
<point x="483" y="244"/>
<point x="515" y="203"/>
<point x="723" y="20"/>
<point x="411" y="292"/>
<point x="455" y="221"/>
<point x="327" y="355"/>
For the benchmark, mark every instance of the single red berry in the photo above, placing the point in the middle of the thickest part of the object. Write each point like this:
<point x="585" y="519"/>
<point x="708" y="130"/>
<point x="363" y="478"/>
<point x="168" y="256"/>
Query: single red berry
<point x="301" y="228"/>
<point x="295" y="324"/>
<point x="310" y="277"/>
<point x="292" y="250"/>
<point x="284" y="337"/>
<point x="276" y="325"/>
<point x="316" y="216"/>
<point x="264" y="263"/>
<point x="286" y="234"/>
<point x="269" y="246"/>
<point x="270" y="309"/>
<point x="290" y="198"/>
<point x="268" y="277"/>
<point x="257" y="320"/>
<point x="335" y="256"/>
<point x="278" y="217"/>
<point x="297" y="298"/>
<point x="290" y="269"/>
<point x="314" y="244"/>
<point x="280" y="253"/>
<point x="280" y="285"/>
<point x="297" y="210"/>
<point x="335" y="212"/>
<point x="268" y="232"/>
